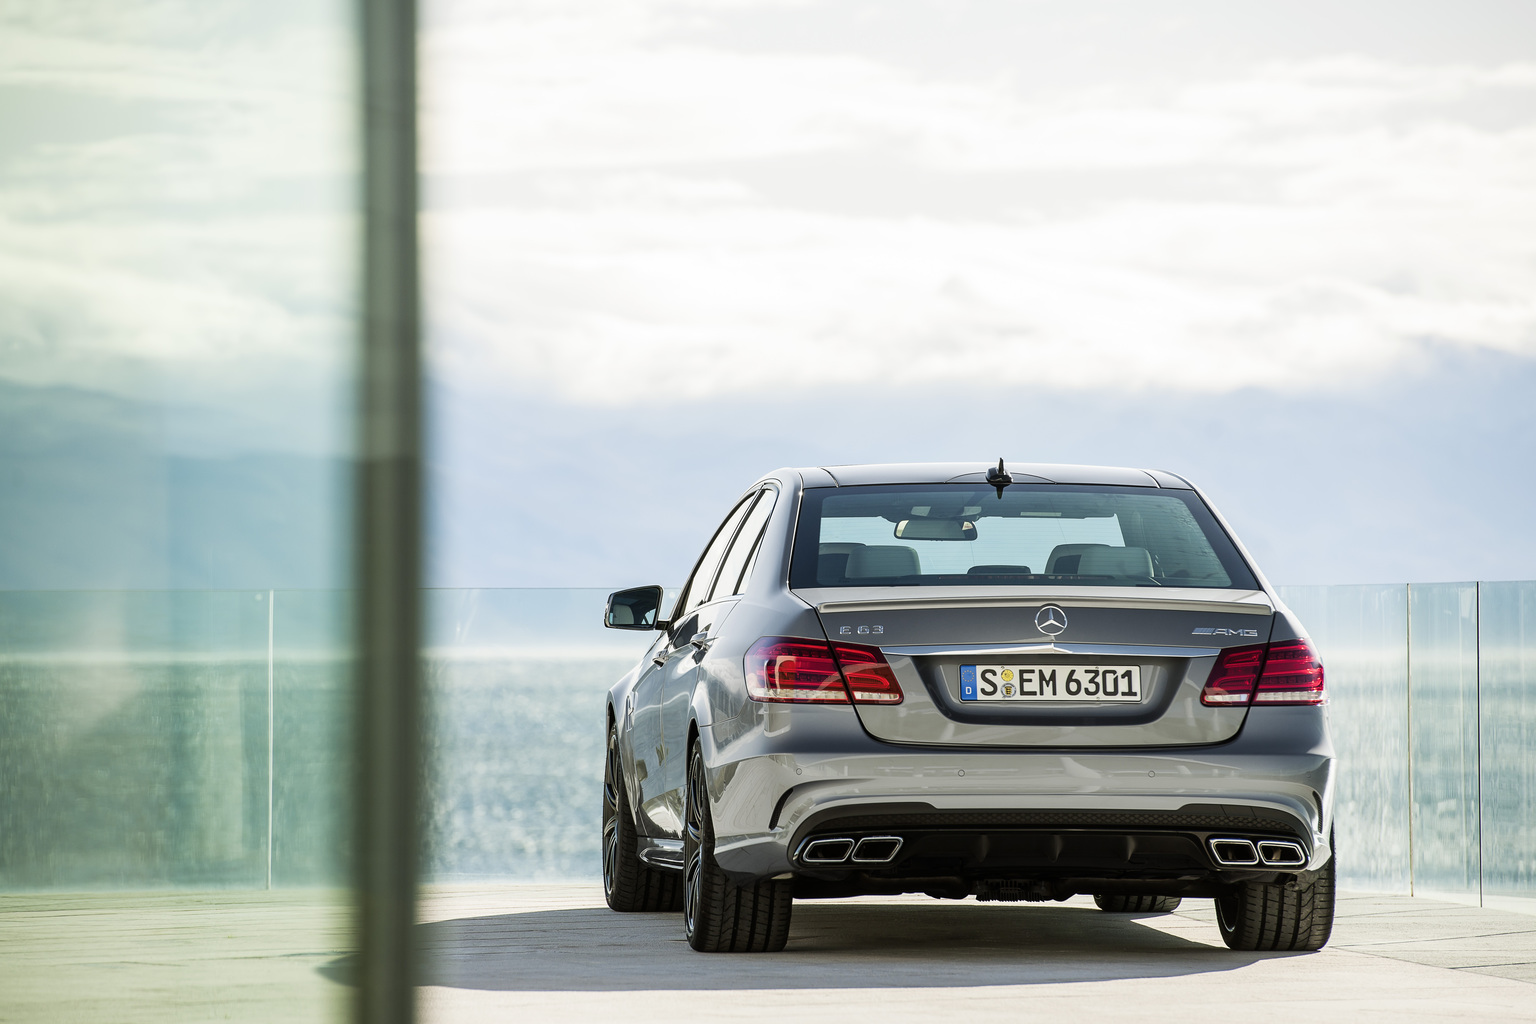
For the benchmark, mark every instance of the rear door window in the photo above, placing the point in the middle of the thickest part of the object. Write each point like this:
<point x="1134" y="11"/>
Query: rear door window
<point x="697" y="591"/>
<point x="733" y="575"/>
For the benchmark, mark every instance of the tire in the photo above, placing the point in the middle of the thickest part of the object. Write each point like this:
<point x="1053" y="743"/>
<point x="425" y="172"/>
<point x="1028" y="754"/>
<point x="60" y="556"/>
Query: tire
<point x="1266" y="916"/>
<point x="719" y="916"/>
<point x="630" y="884"/>
<point x="1138" y="904"/>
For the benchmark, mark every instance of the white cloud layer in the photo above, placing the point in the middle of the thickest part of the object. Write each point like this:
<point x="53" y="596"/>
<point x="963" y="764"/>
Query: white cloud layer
<point x="622" y="207"/>
<point x="638" y="198"/>
<point x="180" y="201"/>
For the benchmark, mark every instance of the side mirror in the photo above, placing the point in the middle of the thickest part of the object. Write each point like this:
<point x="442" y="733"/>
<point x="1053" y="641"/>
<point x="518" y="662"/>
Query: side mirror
<point x="636" y="608"/>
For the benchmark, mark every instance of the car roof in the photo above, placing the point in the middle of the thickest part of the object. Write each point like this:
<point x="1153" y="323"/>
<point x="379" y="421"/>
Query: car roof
<point x="967" y="472"/>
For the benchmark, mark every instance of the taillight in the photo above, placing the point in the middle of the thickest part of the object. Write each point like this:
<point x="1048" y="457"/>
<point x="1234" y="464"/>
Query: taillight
<point x="1232" y="677"/>
<point x="1293" y="674"/>
<point x="868" y="675"/>
<point x="1286" y="672"/>
<point x="800" y="671"/>
<point x="785" y="669"/>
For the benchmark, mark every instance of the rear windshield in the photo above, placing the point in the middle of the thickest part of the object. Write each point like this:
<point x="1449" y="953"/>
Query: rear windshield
<point x="1055" y="534"/>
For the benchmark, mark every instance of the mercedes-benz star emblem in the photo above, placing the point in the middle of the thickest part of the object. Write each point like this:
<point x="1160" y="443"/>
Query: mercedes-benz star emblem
<point x="1050" y="620"/>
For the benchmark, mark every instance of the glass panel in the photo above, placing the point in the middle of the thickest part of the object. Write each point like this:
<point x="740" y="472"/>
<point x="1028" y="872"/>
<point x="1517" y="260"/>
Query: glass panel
<point x="179" y="235"/>
<point x="1442" y="672"/>
<point x="1507" y="653"/>
<point x="312" y="691"/>
<point x="1362" y="634"/>
<point x="516" y="681"/>
<point x="133" y="736"/>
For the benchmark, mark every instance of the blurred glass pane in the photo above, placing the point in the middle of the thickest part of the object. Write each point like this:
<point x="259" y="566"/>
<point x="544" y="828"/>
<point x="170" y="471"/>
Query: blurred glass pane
<point x="1442" y="670"/>
<point x="311" y="681"/>
<point x="1507" y="651"/>
<point x="135" y="735"/>
<point x="515" y="687"/>
<point x="178" y="252"/>
<point x="1362" y="634"/>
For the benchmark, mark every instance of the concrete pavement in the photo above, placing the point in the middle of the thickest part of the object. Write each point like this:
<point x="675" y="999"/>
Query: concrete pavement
<point x="556" y="956"/>
<point x="554" y="953"/>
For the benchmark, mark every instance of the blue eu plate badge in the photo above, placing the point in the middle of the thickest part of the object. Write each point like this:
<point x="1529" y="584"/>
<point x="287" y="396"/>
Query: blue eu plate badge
<point x="967" y="682"/>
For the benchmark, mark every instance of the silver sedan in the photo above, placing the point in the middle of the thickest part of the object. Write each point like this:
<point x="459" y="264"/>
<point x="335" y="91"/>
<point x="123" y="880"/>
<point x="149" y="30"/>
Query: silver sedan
<point x="1012" y="683"/>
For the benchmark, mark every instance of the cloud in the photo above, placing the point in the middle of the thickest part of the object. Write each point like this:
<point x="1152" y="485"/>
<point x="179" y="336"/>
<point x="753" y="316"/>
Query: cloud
<point x="623" y="203"/>
<point x="631" y="212"/>
<point x="180" y="201"/>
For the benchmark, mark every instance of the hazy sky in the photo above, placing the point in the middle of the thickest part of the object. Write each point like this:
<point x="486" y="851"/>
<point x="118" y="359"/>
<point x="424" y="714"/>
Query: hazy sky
<point x="177" y="211"/>
<point x="1289" y="249"/>
<point x="1189" y="196"/>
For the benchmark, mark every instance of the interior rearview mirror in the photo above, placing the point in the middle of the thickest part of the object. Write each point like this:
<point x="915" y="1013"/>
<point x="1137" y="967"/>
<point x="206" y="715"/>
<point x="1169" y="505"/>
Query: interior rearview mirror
<point x="935" y="529"/>
<point x="636" y="608"/>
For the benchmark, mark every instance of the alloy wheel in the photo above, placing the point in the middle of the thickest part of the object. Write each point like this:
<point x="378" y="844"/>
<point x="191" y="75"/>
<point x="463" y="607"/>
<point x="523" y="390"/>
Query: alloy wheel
<point x="693" y="825"/>
<point x="611" y="815"/>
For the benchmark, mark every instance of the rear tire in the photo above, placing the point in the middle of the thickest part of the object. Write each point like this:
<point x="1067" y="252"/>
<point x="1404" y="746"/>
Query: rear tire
<point x="630" y="884"/>
<point x="1138" y="904"/>
<point x="718" y="915"/>
<point x="1267" y="916"/>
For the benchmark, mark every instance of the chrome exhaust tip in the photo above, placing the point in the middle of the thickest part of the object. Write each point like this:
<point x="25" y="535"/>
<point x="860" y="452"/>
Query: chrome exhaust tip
<point x="1234" y="853"/>
<point x="1282" y="853"/>
<point x="826" y="851"/>
<point x="877" y="849"/>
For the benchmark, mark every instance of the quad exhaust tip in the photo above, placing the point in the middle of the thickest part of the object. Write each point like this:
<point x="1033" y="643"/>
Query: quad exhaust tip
<point x="826" y="851"/>
<point x="1244" y="853"/>
<point x="869" y="850"/>
<point x="876" y="849"/>
<point x="1282" y="853"/>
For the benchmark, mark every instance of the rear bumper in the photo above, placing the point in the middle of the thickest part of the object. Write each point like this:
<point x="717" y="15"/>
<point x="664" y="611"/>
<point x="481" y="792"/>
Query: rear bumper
<point x="1035" y="813"/>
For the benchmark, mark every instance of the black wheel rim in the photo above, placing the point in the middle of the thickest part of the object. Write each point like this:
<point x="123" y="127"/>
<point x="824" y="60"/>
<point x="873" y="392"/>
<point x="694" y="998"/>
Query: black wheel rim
<point x="611" y="774"/>
<point x="1226" y="914"/>
<point x="693" y="828"/>
<point x="611" y="777"/>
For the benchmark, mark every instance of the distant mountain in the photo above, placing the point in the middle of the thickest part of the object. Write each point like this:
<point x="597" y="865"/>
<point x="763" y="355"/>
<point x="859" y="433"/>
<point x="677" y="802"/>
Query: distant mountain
<point x="89" y="499"/>
<point x="1422" y="476"/>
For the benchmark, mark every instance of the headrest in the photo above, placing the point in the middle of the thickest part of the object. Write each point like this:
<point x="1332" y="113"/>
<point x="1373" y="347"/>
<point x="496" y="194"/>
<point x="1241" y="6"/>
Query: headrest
<point x="623" y="615"/>
<point x="1115" y="562"/>
<point x="1067" y="553"/>
<point x="883" y="560"/>
<point x="838" y="548"/>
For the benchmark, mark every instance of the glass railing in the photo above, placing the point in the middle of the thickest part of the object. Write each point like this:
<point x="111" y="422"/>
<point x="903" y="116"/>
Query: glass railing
<point x="173" y="739"/>
<point x="1433" y="712"/>
<point x="515" y="681"/>
<point x="1362" y="634"/>
<point x="198" y="739"/>
<point x="198" y="742"/>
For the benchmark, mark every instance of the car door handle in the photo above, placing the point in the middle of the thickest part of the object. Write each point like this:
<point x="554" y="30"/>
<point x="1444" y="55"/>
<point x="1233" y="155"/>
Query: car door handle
<point x="662" y="656"/>
<point x="702" y="641"/>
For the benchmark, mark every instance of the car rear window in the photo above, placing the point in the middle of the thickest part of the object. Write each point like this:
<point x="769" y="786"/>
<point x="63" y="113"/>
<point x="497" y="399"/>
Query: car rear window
<point x="1034" y="534"/>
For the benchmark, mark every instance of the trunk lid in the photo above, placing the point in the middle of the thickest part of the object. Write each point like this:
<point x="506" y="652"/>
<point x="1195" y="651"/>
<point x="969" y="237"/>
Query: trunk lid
<point x="929" y="633"/>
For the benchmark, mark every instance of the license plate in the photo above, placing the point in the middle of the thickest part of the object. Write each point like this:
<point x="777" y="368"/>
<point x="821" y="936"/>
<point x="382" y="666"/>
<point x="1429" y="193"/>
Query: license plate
<point x="1094" y="684"/>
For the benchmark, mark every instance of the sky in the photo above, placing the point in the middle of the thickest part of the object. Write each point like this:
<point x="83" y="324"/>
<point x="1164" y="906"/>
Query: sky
<point x="1286" y="250"/>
